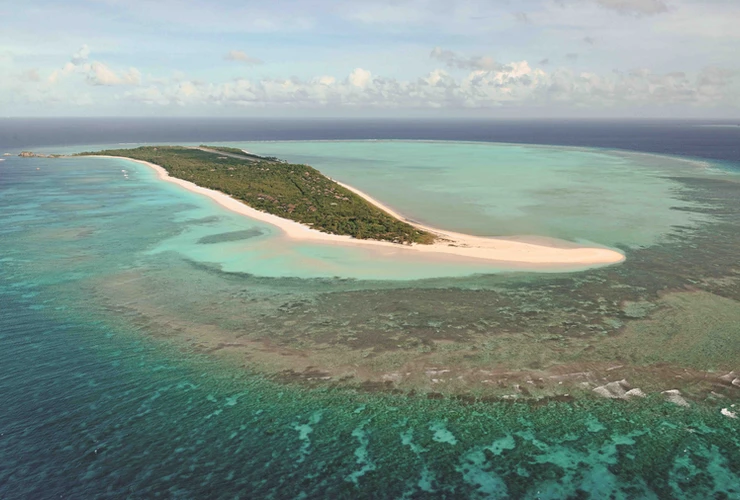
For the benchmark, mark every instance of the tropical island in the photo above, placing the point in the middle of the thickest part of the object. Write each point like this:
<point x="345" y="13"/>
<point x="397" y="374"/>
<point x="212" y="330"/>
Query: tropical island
<point x="306" y="205"/>
<point x="290" y="191"/>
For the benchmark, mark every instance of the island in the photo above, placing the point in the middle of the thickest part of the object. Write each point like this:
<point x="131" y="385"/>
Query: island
<point x="31" y="154"/>
<point x="307" y="205"/>
<point x="291" y="191"/>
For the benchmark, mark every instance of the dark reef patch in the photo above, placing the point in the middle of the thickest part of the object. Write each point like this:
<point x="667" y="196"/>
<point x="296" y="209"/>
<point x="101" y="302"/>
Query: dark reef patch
<point x="231" y="236"/>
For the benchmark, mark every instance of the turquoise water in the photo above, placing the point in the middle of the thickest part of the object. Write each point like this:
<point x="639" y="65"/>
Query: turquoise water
<point x="612" y="199"/>
<point x="606" y="197"/>
<point x="98" y="401"/>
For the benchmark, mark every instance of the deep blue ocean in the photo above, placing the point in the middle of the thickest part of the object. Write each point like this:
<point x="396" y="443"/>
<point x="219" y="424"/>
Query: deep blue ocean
<point x="717" y="140"/>
<point x="92" y="405"/>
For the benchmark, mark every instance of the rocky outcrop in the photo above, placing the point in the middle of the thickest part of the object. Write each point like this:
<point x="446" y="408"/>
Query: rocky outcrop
<point x="31" y="154"/>
<point x="674" y="396"/>
<point x="618" y="390"/>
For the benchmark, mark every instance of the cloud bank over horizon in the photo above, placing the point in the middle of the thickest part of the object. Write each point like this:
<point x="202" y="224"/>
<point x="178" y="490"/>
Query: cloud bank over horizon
<point x="668" y="58"/>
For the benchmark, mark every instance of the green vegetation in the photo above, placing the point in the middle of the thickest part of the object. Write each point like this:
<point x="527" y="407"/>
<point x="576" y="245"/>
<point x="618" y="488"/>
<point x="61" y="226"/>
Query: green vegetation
<point x="242" y="153"/>
<point x="225" y="149"/>
<point x="297" y="192"/>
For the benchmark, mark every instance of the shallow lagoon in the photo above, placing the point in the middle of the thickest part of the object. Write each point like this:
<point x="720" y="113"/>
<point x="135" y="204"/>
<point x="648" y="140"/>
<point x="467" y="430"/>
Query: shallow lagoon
<point x="607" y="197"/>
<point x="614" y="199"/>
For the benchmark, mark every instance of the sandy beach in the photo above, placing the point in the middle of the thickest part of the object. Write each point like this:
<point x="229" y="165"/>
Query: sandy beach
<point x="448" y="244"/>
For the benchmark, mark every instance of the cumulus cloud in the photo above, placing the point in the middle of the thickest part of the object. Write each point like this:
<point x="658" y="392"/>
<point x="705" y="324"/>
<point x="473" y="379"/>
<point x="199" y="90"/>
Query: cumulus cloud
<point x="514" y="84"/>
<point x="326" y="80"/>
<point x="100" y="74"/>
<point x="438" y="78"/>
<point x="95" y="73"/>
<point x="243" y="57"/>
<point x="80" y="57"/>
<point x="472" y="85"/>
<point x="642" y="86"/>
<point x="77" y="63"/>
<point x="453" y="60"/>
<point x="360" y="77"/>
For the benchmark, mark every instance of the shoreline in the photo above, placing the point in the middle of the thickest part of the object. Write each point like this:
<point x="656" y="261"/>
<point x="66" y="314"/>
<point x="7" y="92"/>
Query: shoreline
<point x="449" y="244"/>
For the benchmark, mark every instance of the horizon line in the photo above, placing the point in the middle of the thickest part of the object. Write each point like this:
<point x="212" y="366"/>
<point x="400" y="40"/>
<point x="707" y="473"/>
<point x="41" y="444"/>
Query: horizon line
<point x="378" y="118"/>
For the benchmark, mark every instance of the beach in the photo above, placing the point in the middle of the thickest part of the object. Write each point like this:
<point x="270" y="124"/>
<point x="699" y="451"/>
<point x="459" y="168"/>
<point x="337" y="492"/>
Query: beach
<point x="554" y="254"/>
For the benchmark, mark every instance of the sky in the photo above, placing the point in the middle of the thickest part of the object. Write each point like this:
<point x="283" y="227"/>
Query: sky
<point x="305" y="58"/>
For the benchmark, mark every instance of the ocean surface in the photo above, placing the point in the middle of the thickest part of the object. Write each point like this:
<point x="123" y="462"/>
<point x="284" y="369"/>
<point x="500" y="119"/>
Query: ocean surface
<point x="156" y="345"/>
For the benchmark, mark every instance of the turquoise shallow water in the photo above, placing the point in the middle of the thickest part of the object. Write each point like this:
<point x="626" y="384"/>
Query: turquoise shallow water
<point x="93" y="407"/>
<point x="607" y="197"/>
<point x="612" y="199"/>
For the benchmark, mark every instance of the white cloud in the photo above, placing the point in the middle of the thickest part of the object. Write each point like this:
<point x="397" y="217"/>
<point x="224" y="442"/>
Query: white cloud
<point x="461" y="83"/>
<point x="240" y="56"/>
<point x="77" y="64"/>
<point x="360" y="77"/>
<point x="100" y="74"/>
<point x="326" y="80"/>
<point x="514" y="84"/>
<point x="95" y="73"/>
<point x="80" y="57"/>
<point x="438" y="77"/>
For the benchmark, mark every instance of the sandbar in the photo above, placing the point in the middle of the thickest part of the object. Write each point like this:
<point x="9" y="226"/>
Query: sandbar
<point x="448" y="244"/>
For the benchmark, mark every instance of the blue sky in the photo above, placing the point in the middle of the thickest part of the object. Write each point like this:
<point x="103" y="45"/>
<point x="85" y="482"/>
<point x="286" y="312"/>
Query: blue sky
<point x="631" y="58"/>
